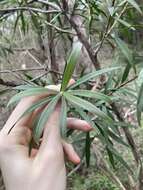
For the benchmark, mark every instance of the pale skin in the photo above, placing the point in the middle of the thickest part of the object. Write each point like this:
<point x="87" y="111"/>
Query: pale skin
<point x="45" y="168"/>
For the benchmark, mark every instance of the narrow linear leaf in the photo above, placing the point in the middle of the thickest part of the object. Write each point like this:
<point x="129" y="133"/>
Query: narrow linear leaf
<point x="125" y="50"/>
<point x="92" y="75"/>
<point x="29" y="92"/>
<point x="87" y="106"/>
<point x="111" y="157"/>
<point x="117" y="138"/>
<point x="90" y="94"/>
<point x="63" y="118"/>
<point x="119" y="158"/>
<point x="85" y="116"/>
<point x="23" y="23"/>
<point x="123" y="124"/>
<point x="37" y="105"/>
<point x="87" y="149"/>
<point x="126" y="72"/>
<point x="70" y="66"/>
<point x="140" y="104"/>
<point x="44" y="118"/>
<point x="123" y="22"/>
<point x="135" y="5"/>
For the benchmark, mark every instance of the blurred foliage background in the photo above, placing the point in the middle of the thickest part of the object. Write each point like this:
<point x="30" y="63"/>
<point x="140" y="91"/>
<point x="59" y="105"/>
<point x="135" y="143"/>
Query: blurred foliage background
<point x="36" y="37"/>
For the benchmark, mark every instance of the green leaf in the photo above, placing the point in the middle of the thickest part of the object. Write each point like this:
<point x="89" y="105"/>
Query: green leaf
<point x="23" y="23"/>
<point x="29" y="92"/>
<point x="90" y="94"/>
<point x="126" y="72"/>
<point x="63" y="118"/>
<point x="111" y="157"/>
<point x="117" y="138"/>
<point x="37" y="105"/>
<point x="44" y="118"/>
<point x="140" y="104"/>
<point x="85" y="116"/>
<point x="87" y="149"/>
<point x="125" y="50"/>
<point x="135" y="5"/>
<point x="119" y="158"/>
<point x="87" y="106"/>
<point x="32" y="108"/>
<point x="123" y="22"/>
<point x="70" y="66"/>
<point x="16" y="23"/>
<point x="92" y="75"/>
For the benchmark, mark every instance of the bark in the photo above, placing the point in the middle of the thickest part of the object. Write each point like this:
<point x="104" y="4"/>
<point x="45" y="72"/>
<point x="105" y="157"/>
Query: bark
<point x="77" y="25"/>
<point x="133" y="146"/>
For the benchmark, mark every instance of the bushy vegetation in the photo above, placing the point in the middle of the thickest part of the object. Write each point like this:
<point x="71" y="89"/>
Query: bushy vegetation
<point x="99" y="44"/>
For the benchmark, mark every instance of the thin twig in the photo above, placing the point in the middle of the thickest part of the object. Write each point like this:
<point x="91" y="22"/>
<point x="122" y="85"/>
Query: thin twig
<point x="50" y="4"/>
<point x="108" y="30"/>
<point x="116" y="21"/>
<point x="32" y="56"/>
<point x="11" y="10"/>
<point x="75" y="169"/>
<point x="59" y="29"/>
<point x="40" y="76"/>
<point x="123" y="84"/>
<point x="22" y="70"/>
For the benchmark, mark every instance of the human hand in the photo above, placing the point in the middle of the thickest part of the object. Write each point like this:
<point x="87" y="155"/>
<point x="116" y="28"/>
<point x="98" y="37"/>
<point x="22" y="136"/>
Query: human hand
<point x="45" y="168"/>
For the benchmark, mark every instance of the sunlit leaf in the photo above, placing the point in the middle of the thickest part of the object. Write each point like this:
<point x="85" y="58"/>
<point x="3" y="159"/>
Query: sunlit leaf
<point x="70" y="66"/>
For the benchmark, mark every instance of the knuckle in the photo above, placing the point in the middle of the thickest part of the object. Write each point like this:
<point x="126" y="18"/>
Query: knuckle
<point x="52" y="155"/>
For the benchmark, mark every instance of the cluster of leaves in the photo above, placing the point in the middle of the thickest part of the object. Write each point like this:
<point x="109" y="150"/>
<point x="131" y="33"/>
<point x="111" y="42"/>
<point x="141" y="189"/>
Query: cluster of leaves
<point x="94" y="107"/>
<point x="91" y="106"/>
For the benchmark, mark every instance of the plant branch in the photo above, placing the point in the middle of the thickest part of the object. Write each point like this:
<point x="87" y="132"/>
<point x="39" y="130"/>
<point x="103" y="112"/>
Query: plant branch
<point x="127" y="134"/>
<point x="15" y="9"/>
<point x="82" y="37"/>
<point x="108" y="28"/>
<point x="123" y="84"/>
<point x="50" y="4"/>
<point x="59" y="29"/>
